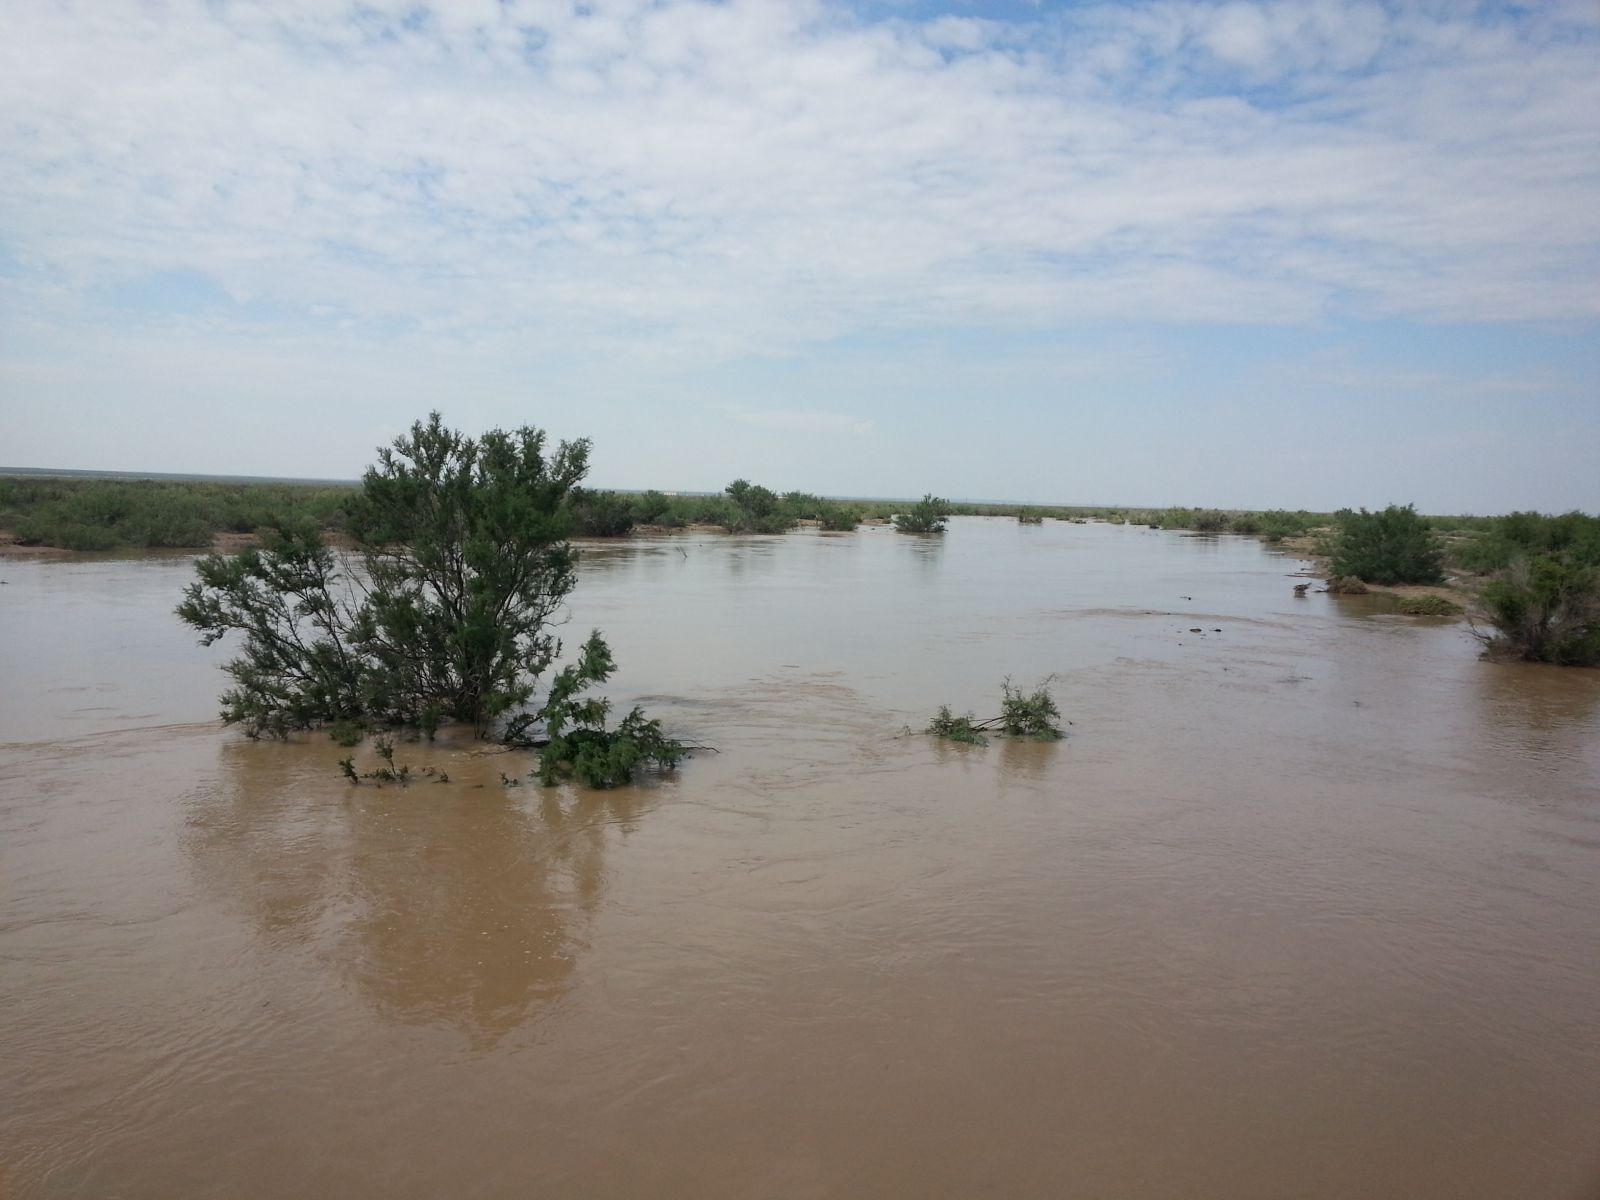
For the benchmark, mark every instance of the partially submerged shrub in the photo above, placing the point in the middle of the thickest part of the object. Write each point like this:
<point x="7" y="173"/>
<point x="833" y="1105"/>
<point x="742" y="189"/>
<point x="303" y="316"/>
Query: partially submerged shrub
<point x="1022" y="715"/>
<point x="756" y="509"/>
<point x="1209" y="520"/>
<point x="576" y="742"/>
<point x="956" y="729"/>
<point x="1030" y="716"/>
<point x="388" y="772"/>
<point x="449" y="613"/>
<point x="1427" y="606"/>
<point x="1544" y="609"/>
<point x="837" y="518"/>
<point x="1388" y="547"/>
<point x="1347" y="585"/>
<point x="927" y="515"/>
<point x="346" y="732"/>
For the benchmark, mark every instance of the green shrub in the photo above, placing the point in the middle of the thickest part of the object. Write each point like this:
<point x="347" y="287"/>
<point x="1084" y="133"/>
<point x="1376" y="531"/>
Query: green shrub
<point x="1277" y="524"/>
<point x="1022" y="715"/>
<point x="803" y="506"/>
<point x="1029" y="716"/>
<point x="113" y="514"/>
<point x="346" y="733"/>
<point x="837" y="517"/>
<point x="464" y="565"/>
<point x="652" y="508"/>
<point x="1388" y="547"/>
<point x="577" y="742"/>
<point x="927" y="515"/>
<point x="956" y="729"/>
<point x="1526" y="534"/>
<point x="755" y="509"/>
<point x="600" y="514"/>
<point x="1427" y="606"/>
<point x="1346" y="585"/>
<point x="1209" y="520"/>
<point x="1544" y="609"/>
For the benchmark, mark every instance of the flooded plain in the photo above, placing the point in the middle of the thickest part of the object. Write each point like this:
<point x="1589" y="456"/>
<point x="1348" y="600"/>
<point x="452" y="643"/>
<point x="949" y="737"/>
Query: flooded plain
<point x="1307" y="904"/>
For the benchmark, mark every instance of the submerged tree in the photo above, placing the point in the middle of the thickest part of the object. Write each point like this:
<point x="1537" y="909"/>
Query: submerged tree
<point x="462" y="563"/>
<point x="927" y="515"/>
<point x="1028" y="715"/>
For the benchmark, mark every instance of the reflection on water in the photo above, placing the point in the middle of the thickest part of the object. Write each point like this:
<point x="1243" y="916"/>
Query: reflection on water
<point x="455" y="906"/>
<point x="1306" y="905"/>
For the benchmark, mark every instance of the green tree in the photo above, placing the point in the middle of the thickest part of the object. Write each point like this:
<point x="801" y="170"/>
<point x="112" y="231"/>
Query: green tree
<point x="652" y="507"/>
<point x="756" y="509"/>
<point x="927" y="515"/>
<point x="1544" y="609"/>
<point x="462" y="563"/>
<point x="464" y="544"/>
<point x="601" y="514"/>
<point x="291" y="601"/>
<point x="1388" y="547"/>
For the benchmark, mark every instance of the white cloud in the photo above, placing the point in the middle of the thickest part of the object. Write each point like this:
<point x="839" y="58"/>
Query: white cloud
<point x="688" y="179"/>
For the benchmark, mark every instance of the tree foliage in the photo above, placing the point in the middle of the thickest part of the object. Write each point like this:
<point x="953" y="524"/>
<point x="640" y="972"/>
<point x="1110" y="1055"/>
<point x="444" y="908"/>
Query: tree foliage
<point x="1502" y="540"/>
<point x="1388" y="547"/>
<point x="1544" y="609"/>
<point x="291" y="600"/>
<point x="575" y="739"/>
<point x="1030" y="715"/>
<point x="756" y="509"/>
<point x="110" y="514"/>
<point x="444" y="612"/>
<point x="927" y="515"/>
<point x="603" y="514"/>
<point x="951" y="728"/>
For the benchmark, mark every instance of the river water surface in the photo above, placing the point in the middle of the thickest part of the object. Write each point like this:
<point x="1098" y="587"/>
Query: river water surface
<point x="1307" y="905"/>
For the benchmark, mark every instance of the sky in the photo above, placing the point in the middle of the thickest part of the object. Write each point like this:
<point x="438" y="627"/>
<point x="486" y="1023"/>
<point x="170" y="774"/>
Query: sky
<point x="1303" y="254"/>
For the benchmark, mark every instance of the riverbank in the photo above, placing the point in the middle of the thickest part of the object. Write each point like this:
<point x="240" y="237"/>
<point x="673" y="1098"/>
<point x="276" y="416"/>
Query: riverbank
<point x="1459" y="589"/>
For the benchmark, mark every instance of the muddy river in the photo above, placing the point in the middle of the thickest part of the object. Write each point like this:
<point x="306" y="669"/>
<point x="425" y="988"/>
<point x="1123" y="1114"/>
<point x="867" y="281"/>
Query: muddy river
<point x="1307" y="905"/>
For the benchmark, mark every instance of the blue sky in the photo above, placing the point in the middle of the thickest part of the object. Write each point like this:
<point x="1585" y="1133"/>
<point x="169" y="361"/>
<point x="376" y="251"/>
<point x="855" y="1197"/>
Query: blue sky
<point x="1283" y="254"/>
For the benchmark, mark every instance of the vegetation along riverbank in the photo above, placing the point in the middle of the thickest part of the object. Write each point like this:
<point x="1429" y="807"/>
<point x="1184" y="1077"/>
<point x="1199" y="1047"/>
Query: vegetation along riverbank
<point x="1531" y="580"/>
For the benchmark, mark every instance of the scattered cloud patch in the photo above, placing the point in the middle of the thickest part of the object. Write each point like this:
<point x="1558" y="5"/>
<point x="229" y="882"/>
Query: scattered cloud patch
<point x="743" y="178"/>
<point x="642" y="212"/>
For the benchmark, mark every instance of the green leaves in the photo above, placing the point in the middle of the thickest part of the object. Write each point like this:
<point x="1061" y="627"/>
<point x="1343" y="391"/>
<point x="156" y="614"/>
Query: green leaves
<point x="299" y="667"/>
<point x="578" y="743"/>
<point x="1388" y="547"/>
<point x="1029" y="715"/>
<point x="444" y="612"/>
<point x="1545" y="609"/>
<point x="952" y="728"/>
<point x="464" y="543"/>
<point x="926" y="516"/>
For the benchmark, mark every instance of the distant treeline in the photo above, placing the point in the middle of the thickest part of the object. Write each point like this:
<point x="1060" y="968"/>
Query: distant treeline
<point x="109" y="514"/>
<point x="114" y="514"/>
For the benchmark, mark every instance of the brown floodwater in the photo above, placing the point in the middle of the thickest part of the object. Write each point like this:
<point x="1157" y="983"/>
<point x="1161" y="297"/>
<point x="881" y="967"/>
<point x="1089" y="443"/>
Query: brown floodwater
<point x="1307" y="905"/>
